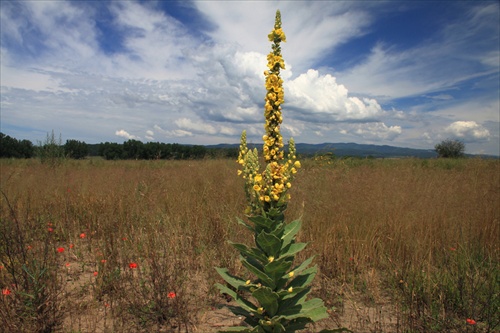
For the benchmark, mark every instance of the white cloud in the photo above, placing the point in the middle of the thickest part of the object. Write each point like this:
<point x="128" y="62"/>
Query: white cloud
<point x="315" y="94"/>
<point x="468" y="131"/>
<point x="208" y="86"/>
<point x="247" y="22"/>
<point x="374" y="131"/>
<point x="463" y="50"/>
<point x="199" y="127"/>
<point x="126" y="135"/>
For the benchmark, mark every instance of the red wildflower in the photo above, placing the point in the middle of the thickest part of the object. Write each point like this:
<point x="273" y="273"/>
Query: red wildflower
<point x="453" y="249"/>
<point x="67" y="264"/>
<point x="60" y="249"/>
<point x="6" y="291"/>
<point x="71" y="246"/>
<point x="103" y="261"/>
<point x="29" y="247"/>
<point x="171" y="294"/>
<point x="82" y="235"/>
<point x="132" y="265"/>
<point x="50" y="229"/>
<point x="471" y="321"/>
<point x="1" y="267"/>
<point x="124" y="238"/>
<point x="95" y="273"/>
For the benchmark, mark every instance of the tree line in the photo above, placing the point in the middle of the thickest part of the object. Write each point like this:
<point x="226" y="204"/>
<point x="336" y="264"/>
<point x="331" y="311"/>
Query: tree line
<point x="132" y="149"/>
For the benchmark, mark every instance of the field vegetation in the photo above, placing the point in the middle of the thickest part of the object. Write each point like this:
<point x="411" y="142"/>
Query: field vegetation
<point x="402" y="245"/>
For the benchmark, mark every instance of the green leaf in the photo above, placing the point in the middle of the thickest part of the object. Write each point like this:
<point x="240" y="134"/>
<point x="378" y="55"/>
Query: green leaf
<point x="291" y="230"/>
<point x="234" y="281"/>
<point x="303" y="265"/>
<point x="261" y="221"/>
<point x="268" y="299"/>
<point x="292" y="249"/>
<point x="298" y="324"/>
<point x="243" y="223"/>
<point x="313" y="309"/>
<point x="243" y="303"/>
<point x="269" y="243"/>
<point x="277" y="268"/>
<point x="305" y="278"/>
<point x="263" y="277"/>
<point x="250" y="252"/>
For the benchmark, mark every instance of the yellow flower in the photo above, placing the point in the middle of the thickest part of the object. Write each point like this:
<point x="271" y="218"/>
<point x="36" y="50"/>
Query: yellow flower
<point x="291" y="274"/>
<point x="240" y="172"/>
<point x="297" y="164"/>
<point x="270" y="259"/>
<point x="248" y="282"/>
<point x="290" y="289"/>
<point x="256" y="188"/>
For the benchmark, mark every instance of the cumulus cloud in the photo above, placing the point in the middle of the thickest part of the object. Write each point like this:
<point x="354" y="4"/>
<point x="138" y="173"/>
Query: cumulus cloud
<point x="373" y="131"/>
<point x="312" y="93"/>
<point x="391" y="72"/>
<point x="124" y="134"/>
<point x="199" y="127"/>
<point x="468" y="131"/>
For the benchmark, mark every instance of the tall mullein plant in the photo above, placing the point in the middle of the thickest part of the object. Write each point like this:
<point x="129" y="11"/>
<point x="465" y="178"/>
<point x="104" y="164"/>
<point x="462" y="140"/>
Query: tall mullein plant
<point x="273" y="297"/>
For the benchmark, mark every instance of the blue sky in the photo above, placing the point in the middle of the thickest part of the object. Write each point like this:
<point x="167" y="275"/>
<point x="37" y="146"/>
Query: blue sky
<point x="400" y="73"/>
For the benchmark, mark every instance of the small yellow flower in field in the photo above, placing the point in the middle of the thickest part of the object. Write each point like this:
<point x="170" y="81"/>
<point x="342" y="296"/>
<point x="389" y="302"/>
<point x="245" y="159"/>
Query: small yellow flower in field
<point x="297" y="164"/>
<point x="291" y="274"/>
<point x="267" y="198"/>
<point x="258" y="178"/>
<point x="270" y="259"/>
<point x="248" y="282"/>
<point x="293" y="170"/>
<point x="260" y="310"/>
<point x="240" y="172"/>
<point x="290" y="290"/>
<point x="256" y="188"/>
<point x="288" y="185"/>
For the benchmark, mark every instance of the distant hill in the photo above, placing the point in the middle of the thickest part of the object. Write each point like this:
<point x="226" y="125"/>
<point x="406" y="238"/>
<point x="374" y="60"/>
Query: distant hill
<point x="351" y="149"/>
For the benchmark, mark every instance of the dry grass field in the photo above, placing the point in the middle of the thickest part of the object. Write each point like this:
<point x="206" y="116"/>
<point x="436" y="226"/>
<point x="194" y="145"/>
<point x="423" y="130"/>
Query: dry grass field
<point x="403" y="245"/>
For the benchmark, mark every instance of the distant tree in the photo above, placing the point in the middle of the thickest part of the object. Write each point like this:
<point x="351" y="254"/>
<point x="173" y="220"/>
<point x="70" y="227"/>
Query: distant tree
<point x="450" y="148"/>
<point x="76" y="149"/>
<point x="133" y="149"/>
<point x="26" y="149"/>
<point x="111" y="150"/>
<point x="51" y="151"/>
